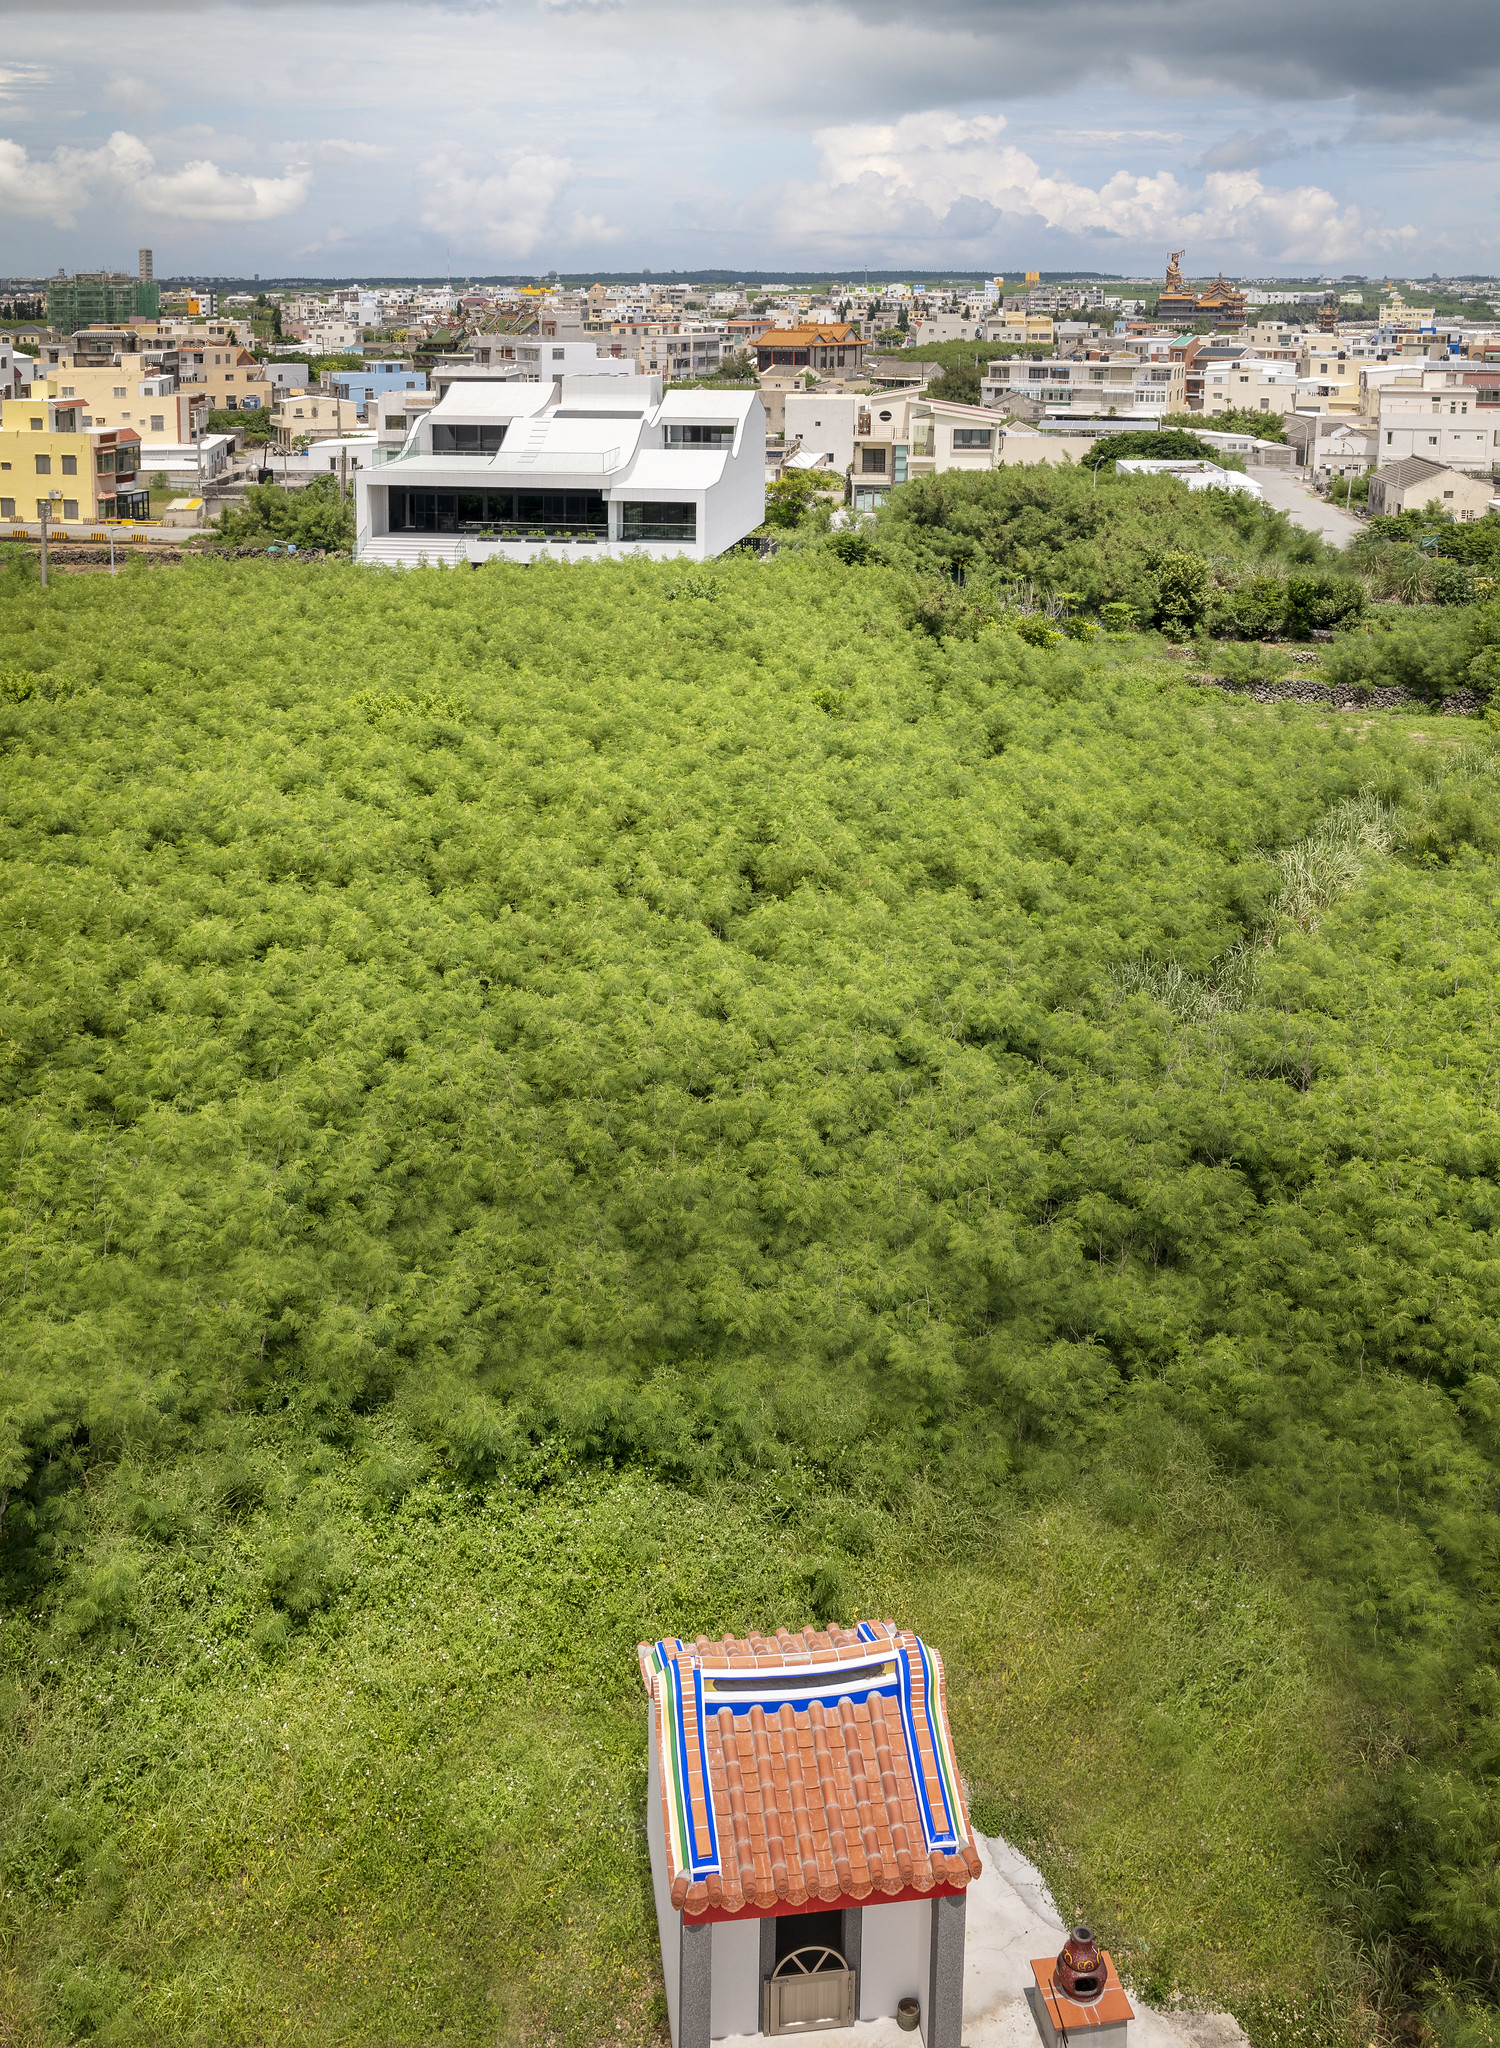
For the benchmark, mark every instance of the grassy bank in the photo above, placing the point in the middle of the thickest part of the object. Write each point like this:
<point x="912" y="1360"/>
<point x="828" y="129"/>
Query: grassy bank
<point x="550" y="1107"/>
<point x="414" y="1810"/>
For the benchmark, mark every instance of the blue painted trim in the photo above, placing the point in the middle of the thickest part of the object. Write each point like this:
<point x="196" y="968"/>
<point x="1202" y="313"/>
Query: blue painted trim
<point x="935" y="1839"/>
<point x="803" y="1700"/>
<point x="711" y="1861"/>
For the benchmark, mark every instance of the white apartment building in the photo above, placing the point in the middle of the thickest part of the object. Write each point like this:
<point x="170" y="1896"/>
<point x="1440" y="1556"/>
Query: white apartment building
<point x="573" y="469"/>
<point x="690" y="351"/>
<point x="1250" y="384"/>
<point x="1120" y="385"/>
<point x="1437" y="415"/>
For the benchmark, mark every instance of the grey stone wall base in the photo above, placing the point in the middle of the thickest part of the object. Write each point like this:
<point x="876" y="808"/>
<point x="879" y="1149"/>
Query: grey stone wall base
<point x="694" y="1986"/>
<point x="943" y="2014"/>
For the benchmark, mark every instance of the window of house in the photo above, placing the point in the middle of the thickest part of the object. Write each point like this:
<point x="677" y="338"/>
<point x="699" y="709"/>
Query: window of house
<point x="872" y="461"/>
<point x="70" y="508"/>
<point x="119" y="390"/>
<point x="70" y="465"/>
<point x="44" y="465"/>
<point x="971" y="437"/>
<point x="7" y="508"/>
<point x="37" y="426"/>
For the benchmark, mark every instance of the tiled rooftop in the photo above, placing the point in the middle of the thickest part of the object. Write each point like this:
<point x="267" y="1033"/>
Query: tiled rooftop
<point x="800" y="1768"/>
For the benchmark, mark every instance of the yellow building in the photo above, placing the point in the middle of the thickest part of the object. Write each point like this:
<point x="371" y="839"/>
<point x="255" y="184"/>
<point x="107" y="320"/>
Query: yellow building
<point x="314" y="416"/>
<point x="163" y="416"/>
<point x="45" y="448"/>
<point x="1406" y="319"/>
<point x="1016" y="324"/>
<point x="231" y="377"/>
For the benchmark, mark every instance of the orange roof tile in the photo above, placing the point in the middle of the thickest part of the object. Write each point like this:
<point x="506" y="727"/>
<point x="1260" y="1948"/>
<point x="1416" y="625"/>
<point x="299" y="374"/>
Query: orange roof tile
<point x="801" y="1767"/>
<point x="836" y="334"/>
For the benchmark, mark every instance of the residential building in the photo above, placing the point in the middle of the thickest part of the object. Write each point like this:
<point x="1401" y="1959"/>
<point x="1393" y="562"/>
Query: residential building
<point x="690" y="351"/>
<point x="15" y="371"/>
<point x="1116" y="384"/>
<point x="1444" y="415"/>
<point x="373" y="380"/>
<point x="393" y="413"/>
<point x="44" y="447"/>
<point x="1019" y="324"/>
<point x="188" y="462"/>
<point x="832" y="346"/>
<point x="343" y="457"/>
<point x="1250" y="384"/>
<point x="1198" y="357"/>
<point x="231" y="378"/>
<point x="313" y="416"/>
<point x="937" y="327"/>
<point x="100" y="295"/>
<point x="153" y="407"/>
<point x="590" y="465"/>
<point x="1414" y="484"/>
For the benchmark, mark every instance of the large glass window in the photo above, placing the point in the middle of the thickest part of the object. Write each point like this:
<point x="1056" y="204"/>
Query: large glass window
<point x="515" y="515"/>
<point x="658" y="522"/>
<point x="872" y="461"/>
<point x="972" y="437"/>
<point x="699" y="437"/>
<point x="466" y="440"/>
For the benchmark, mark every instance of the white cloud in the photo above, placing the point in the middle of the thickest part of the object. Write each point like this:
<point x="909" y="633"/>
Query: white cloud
<point x="134" y="95"/>
<point x="944" y="175"/>
<point x="201" y="191"/>
<point x="507" y="210"/>
<point x="124" y="171"/>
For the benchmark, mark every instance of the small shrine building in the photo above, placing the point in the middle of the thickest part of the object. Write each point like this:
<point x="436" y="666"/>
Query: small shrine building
<point x="810" y="1844"/>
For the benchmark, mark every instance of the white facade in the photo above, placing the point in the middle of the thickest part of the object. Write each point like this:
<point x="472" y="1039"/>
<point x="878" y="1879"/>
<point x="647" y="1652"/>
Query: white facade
<point x="574" y="468"/>
<point x="204" y="458"/>
<point x="895" y="1956"/>
<point x="1124" y="384"/>
<point x="1198" y="476"/>
<point x="1435" y="415"/>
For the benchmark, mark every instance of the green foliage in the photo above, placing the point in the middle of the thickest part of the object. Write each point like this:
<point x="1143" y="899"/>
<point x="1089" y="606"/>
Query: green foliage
<point x="543" y="1107"/>
<point x="1157" y="444"/>
<point x="959" y="383"/>
<point x="794" y="498"/>
<point x="309" y="517"/>
<point x="1430" y="655"/>
<point x="254" y="426"/>
<point x="1265" y="426"/>
<point x="1055" y="529"/>
<point x="418" y="1814"/>
<point x="1182" y="589"/>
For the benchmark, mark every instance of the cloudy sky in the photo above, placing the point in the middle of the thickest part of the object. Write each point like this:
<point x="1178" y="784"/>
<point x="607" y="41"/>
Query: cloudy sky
<point x="236" y="136"/>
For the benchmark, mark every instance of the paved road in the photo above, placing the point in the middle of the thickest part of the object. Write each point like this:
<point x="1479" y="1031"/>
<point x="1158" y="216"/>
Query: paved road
<point x="1283" y="490"/>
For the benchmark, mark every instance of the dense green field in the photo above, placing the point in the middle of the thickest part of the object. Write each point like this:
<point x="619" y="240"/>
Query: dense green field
<point x="546" y="1107"/>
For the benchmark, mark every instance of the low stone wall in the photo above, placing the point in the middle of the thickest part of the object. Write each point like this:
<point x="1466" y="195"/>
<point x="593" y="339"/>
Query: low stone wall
<point x="1343" y="697"/>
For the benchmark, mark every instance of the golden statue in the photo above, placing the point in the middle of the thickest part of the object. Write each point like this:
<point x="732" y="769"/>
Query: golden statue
<point x="1174" y="270"/>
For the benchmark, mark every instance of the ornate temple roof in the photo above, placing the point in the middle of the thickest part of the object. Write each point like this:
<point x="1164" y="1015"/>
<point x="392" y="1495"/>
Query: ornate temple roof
<point x="813" y="1769"/>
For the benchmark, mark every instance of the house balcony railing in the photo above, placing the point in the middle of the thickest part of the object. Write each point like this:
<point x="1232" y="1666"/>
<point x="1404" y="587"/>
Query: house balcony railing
<point x="523" y="461"/>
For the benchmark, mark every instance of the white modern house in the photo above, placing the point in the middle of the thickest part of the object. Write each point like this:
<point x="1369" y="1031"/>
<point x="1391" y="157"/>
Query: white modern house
<point x="574" y="468"/>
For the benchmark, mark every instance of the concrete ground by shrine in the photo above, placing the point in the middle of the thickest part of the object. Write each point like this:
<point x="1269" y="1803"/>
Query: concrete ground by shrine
<point x="1011" y="1918"/>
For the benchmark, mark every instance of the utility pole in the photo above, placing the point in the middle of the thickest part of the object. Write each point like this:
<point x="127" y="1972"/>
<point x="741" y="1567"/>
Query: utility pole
<point x="44" y="506"/>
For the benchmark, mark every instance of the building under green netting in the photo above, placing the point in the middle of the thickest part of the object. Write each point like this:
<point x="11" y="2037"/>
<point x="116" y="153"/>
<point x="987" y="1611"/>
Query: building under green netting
<point x="100" y="295"/>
